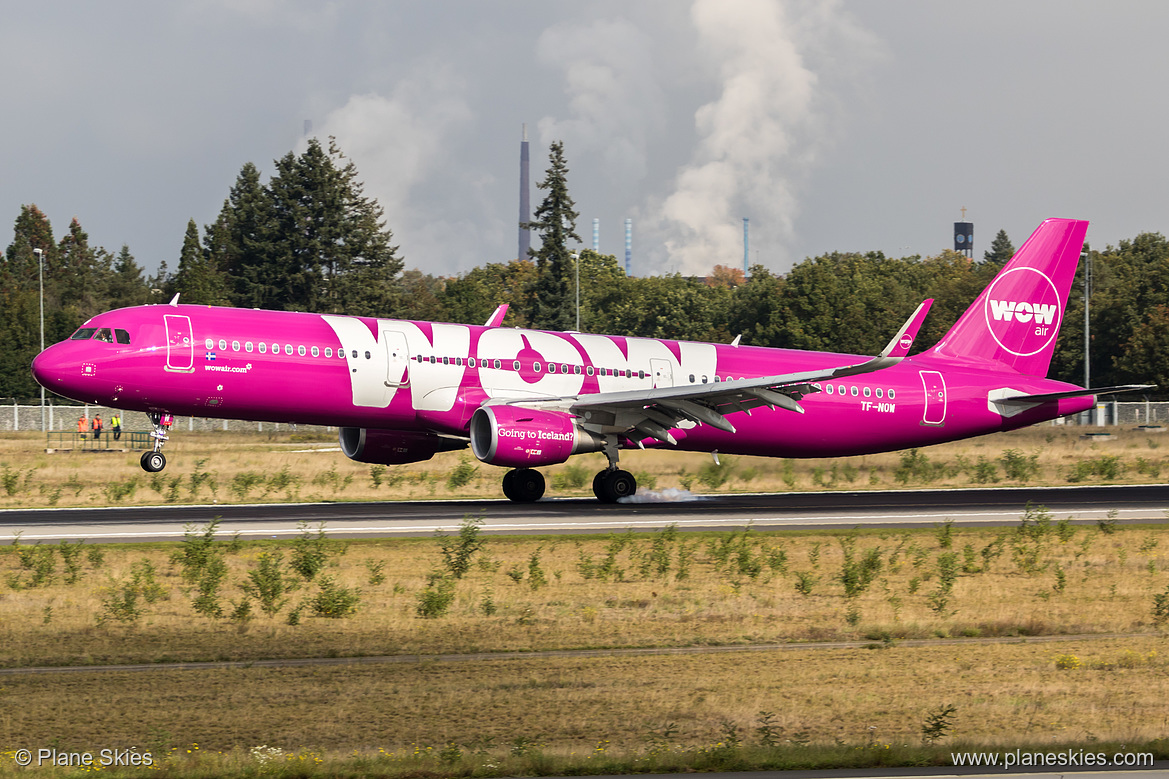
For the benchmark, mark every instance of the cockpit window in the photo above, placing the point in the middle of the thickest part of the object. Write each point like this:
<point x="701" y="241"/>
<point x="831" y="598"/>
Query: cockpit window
<point x="84" y="334"/>
<point x="123" y="336"/>
<point x="104" y="334"/>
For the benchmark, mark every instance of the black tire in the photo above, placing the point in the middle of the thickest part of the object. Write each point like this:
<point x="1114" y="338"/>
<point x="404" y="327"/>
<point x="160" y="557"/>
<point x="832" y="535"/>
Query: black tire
<point x="616" y="485"/>
<point x="509" y="486"/>
<point x="599" y="485"/>
<point x="153" y="462"/>
<point x="527" y="485"/>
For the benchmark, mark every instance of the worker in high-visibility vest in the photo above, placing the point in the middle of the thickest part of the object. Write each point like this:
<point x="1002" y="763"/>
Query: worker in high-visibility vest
<point x="116" y="425"/>
<point x="83" y="425"/>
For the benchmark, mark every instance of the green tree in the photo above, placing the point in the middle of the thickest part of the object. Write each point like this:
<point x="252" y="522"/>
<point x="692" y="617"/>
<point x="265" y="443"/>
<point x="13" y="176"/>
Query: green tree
<point x="1145" y="356"/>
<point x="420" y="297"/>
<point x="240" y="241"/>
<point x="1129" y="282"/>
<point x="199" y="280"/>
<point x="1000" y="250"/>
<point x="127" y="286"/>
<point x="474" y="296"/>
<point x="555" y="223"/>
<point x="308" y="241"/>
<point x="753" y="310"/>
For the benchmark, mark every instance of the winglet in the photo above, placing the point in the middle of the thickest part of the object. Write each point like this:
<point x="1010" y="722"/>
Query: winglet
<point x="898" y="347"/>
<point x="496" y="319"/>
<point x="175" y="300"/>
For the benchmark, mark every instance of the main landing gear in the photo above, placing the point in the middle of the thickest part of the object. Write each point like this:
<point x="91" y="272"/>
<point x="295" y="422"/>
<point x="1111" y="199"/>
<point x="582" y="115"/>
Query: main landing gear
<point x="154" y="461"/>
<point x="612" y="484"/>
<point x="523" y="485"/>
<point x="526" y="485"/>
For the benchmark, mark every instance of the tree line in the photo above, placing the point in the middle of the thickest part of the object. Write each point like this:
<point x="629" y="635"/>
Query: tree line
<point x="308" y="239"/>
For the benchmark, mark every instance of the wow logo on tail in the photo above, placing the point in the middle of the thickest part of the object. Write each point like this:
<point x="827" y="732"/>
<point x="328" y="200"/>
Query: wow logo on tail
<point x="1013" y="324"/>
<point x="1023" y="311"/>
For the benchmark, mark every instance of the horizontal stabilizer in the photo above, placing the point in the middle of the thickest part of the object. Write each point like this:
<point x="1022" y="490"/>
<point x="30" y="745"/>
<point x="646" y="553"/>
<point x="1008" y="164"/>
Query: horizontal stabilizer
<point x="1077" y="393"/>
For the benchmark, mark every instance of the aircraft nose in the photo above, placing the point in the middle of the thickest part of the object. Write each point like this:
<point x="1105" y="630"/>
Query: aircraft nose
<point x="45" y="369"/>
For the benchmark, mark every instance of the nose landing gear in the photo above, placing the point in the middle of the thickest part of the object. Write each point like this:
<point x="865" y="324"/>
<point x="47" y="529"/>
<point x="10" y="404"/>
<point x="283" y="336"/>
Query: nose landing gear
<point x="154" y="461"/>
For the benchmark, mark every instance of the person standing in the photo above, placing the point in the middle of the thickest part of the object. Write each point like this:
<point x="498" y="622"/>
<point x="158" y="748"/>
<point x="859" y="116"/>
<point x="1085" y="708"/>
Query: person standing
<point x="116" y="425"/>
<point x="83" y="425"/>
<point x="97" y="426"/>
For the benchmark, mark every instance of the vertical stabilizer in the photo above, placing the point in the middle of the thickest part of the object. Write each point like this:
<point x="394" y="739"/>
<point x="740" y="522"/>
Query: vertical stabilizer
<point x="1014" y="323"/>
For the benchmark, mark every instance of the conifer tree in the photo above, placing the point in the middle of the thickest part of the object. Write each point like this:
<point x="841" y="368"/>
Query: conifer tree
<point x="198" y="279"/>
<point x="556" y="224"/>
<point x="1000" y="250"/>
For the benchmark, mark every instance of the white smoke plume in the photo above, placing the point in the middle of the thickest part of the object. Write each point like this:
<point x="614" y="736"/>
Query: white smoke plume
<point x="757" y="138"/>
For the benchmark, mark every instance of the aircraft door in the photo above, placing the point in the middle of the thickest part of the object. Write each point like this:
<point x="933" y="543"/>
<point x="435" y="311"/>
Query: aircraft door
<point x="180" y="344"/>
<point x="935" y="398"/>
<point x="663" y="373"/>
<point x="397" y="359"/>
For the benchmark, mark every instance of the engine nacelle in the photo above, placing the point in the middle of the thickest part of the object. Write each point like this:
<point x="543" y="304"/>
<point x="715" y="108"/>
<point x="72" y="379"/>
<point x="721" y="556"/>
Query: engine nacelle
<point x="393" y="447"/>
<point x="526" y="438"/>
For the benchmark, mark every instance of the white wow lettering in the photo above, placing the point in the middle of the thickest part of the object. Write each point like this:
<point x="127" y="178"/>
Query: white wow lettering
<point x="1009" y="310"/>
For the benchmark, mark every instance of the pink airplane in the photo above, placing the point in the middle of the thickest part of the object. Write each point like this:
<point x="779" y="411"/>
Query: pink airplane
<point x="401" y="391"/>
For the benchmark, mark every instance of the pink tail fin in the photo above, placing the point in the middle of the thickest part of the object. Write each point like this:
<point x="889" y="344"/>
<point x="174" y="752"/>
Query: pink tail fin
<point x="1013" y="324"/>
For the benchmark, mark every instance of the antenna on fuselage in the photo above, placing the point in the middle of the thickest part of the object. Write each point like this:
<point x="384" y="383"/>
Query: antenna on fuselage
<point x="175" y="300"/>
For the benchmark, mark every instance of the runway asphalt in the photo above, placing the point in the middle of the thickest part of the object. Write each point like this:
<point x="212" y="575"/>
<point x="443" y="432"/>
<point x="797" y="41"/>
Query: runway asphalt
<point x="803" y="510"/>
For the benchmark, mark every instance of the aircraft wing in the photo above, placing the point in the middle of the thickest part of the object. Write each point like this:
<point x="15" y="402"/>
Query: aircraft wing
<point x="650" y="413"/>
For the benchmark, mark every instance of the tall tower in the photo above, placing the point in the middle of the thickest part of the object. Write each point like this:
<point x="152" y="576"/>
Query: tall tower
<point x="628" y="247"/>
<point x="525" y="203"/>
<point x="964" y="236"/>
<point x="746" y="248"/>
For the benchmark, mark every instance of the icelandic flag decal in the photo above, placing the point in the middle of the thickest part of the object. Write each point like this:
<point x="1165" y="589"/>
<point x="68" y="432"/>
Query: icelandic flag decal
<point x="211" y="356"/>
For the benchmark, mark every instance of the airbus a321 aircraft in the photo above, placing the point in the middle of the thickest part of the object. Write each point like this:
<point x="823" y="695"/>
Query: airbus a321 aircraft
<point x="401" y="391"/>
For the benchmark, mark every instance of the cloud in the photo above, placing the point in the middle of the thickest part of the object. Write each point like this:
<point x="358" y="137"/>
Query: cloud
<point x="400" y="143"/>
<point x="614" y="101"/>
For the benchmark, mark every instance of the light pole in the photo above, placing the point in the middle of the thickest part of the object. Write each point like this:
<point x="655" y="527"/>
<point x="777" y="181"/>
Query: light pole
<point x="40" y="253"/>
<point x="1087" y="337"/>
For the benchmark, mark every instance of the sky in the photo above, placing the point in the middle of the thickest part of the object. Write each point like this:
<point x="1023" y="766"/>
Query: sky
<point x="840" y="125"/>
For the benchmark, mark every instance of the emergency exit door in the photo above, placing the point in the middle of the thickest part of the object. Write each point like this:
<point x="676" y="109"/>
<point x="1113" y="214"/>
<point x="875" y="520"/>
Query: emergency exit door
<point x="935" y="398"/>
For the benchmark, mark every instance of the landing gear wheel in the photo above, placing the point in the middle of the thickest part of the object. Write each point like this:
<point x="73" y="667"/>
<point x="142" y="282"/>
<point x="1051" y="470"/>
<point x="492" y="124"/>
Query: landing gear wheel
<point x="153" y="462"/>
<point x="611" y="486"/>
<point x="523" y="485"/>
<point x="509" y="486"/>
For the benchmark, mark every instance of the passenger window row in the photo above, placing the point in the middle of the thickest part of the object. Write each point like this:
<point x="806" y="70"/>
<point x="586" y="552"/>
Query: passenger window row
<point x="856" y="391"/>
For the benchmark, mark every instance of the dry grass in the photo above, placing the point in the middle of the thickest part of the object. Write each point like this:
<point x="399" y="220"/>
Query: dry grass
<point x="1004" y="694"/>
<point x="234" y="467"/>
<point x="580" y="708"/>
<point x="737" y="589"/>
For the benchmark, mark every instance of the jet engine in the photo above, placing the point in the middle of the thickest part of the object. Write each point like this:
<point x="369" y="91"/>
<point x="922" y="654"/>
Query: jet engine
<point x="394" y="447"/>
<point x="527" y="438"/>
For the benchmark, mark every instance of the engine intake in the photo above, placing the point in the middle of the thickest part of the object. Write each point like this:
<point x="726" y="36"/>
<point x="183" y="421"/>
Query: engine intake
<point x="393" y="447"/>
<point x="525" y="438"/>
